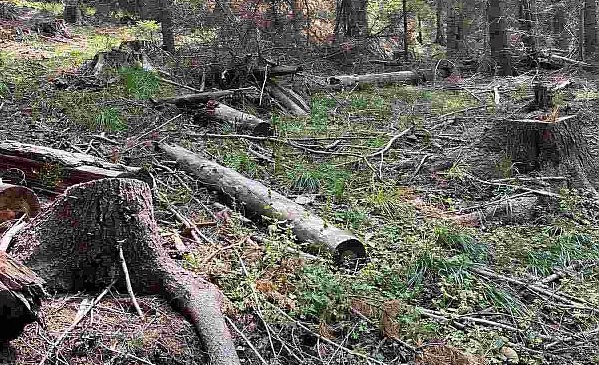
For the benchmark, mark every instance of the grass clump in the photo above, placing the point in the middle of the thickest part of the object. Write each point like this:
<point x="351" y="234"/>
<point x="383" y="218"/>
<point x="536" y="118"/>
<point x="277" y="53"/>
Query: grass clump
<point x="324" y="178"/>
<point x="241" y="162"/>
<point x="140" y="83"/>
<point x="563" y="252"/>
<point x="109" y="119"/>
<point x="321" y="293"/>
<point x="3" y="90"/>
<point x="320" y="112"/>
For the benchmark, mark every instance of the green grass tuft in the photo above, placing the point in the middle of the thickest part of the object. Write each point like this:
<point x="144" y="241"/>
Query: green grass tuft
<point x="140" y="83"/>
<point x="110" y="120"/>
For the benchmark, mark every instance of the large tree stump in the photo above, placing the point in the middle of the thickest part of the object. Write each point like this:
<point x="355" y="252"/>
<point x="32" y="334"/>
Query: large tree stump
<point x="21" y="292"/>
<point x="17" y="200"/>
<point x="75" y="244"/>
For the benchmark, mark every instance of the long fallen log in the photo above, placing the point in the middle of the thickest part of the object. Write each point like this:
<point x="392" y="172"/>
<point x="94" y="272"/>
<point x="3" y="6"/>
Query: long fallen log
<point x="202" y="97"/>
<point x="54" y="169"/>
<point x="258" y="200"/>
<point x="21" y="291"/>
<point x="412" y="77"/>
<point x="75" y="245"/>
<point x="238" y="119"/>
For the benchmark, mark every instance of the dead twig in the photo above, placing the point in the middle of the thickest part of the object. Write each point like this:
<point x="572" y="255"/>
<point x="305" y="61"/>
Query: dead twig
<point x="247" y="340"/>
<point x="11" y="232"/>
<point x="128" y="283"/>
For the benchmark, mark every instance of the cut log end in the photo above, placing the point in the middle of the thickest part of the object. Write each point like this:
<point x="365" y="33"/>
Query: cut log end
<point x="17" y="199"/>
<point x="351" y="250"/>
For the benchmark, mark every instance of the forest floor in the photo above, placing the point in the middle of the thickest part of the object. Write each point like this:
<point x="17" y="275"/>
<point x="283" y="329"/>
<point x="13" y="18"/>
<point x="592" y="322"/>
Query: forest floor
<point x="435" y="289"/>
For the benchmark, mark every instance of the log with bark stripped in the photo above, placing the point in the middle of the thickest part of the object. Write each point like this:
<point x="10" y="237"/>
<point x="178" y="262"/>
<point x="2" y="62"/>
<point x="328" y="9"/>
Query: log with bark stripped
<point x="258" y="200"/>
<point x="238" y="119"/>
<point x="411" y="77"/>
<point x="289" y="99"/>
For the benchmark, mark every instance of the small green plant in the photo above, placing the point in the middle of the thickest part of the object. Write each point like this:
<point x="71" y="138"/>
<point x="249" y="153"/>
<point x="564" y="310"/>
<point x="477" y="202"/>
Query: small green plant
<point x="140" y="83"/>
<point x="320" y="112"/>
<point x="146" y="30"/>
<point x="587" y="95"/>
<point x="506" y="167"/>
<point x="241" y="162"/>
<point x="353" y="217"/>
<point x="568" y="200"/>
<point x="109" y="119"/>
<point x="327" y="178"/>
<point x="452" y="238"/>
<point x="321" y="293"/>
<point x="427" y="264"/>
<point x="458" y="171"/>
<point x="3" y="90"/>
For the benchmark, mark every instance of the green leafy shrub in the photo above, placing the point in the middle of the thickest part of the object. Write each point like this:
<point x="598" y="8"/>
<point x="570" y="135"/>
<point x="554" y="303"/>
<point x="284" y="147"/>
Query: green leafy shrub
<point x="109" y="119"/>
<point x="321" y="293"/>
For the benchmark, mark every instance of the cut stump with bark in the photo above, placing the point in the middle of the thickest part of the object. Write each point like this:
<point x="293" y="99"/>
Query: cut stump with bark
<point x="258" y="200"/>
<point x="75" y="245"/>
<point x="21" y="291"/>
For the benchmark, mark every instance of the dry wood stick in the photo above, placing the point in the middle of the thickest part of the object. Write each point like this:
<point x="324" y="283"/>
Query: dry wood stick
<point x="322" y="338"/>
<point x="10" y="233"/>
<point x="247" y="340"/>
<point x="75" y="323"/>
<point x="128" y="283"/>
<point x="390" y="143"/>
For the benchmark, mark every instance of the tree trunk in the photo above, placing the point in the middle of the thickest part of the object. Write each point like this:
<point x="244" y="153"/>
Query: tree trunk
<point x="498" y="36"/>
<point x="72" y="12"/>
<point x="406" y="38"/>
<point x="351" y="18"/>
<point x="525" y="21"/>
<point x="455" y="28"/>
<point x="75" y="245"/>
<point x="21" y="291"/>
<point x="440" y="35"/>
<point x="258" y="200"/>
<point x="562" y="40"/>
<point x="590" y="28"/>
<point x="166" y="20"/>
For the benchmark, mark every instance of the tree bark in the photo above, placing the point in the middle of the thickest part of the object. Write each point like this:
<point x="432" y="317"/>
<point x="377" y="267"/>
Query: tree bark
<point x="351" y="18"/>
<point x="525" y="20"/>
<point x="455" y="27"/>
<point x="590" y="28"/>
<point x="75" y="245"/>
<point x="72" y="12"/>
<point x="258" y="200"/>
<point x="440" y="35"/>
<point x="21" y="291"/>
<point x="498" y="36"/>
<point x="166" y="20"/>
<point x="559" y="27"/>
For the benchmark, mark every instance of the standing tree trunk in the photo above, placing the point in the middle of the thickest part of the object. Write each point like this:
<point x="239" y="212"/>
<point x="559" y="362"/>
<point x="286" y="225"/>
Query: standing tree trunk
<point x="440" y="36"/>
<point x="351" y="18"/>
<point x="498" y="36"/>
<point x="590" y="28"/>
<point x="525" y="21"/>
<point x="72" y="12"/>
<point x="562" y="40"/>
<point x="166" y="20"/>
<point x="455" y="27"/>
<point x="406" y="41"/>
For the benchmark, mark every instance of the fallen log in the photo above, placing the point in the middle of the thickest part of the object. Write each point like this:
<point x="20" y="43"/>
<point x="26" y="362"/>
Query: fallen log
<point x="411" y="77"/>
<point x="514" y="210"/>
<point x="278" y="70"/>
<point x="75" y="245"/>
<point x="238" y="119"/>
<point x="201" y="97"/>
<point x="21" y="291"/>
<point x="258" y="200"/>
<point x="286" y="100"/>
<point x="53" y="169"/>
<point x="16" y="201"/>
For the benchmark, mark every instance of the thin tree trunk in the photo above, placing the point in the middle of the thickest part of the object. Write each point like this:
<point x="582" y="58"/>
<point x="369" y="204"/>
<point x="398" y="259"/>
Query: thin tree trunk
<point x="559" y="27"/>
<point x="440" y="36"/>
<point x="72" y="12"/>
<point x="590" y="27"/>
<point x="498" y="36"/>
<point x="351" y="18"/>
<point x="525" y="21"/>
<point x="166" y="19"/>
<point x="405" y="30"/>
<point x="455" y="27"/>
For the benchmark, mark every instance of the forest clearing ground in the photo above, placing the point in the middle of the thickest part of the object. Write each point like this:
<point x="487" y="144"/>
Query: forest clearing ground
<point x="422" y="287"/>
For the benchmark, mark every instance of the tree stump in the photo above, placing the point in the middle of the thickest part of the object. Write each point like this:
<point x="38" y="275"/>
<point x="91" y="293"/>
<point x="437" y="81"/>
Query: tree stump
<point x="74" y="245"/>
<point x="21" y="292"/>
<point x="17" y="200"/>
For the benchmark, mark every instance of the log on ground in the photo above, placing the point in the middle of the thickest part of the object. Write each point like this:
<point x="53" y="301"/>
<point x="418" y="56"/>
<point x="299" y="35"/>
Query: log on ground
<point x="238" y="119"/>
<point x="411" y="77"/>
<point x="258" y="200"/>
<point x="21" y="291"/>
<point x="75" y="245"/>
<point x="53" y="169"/>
